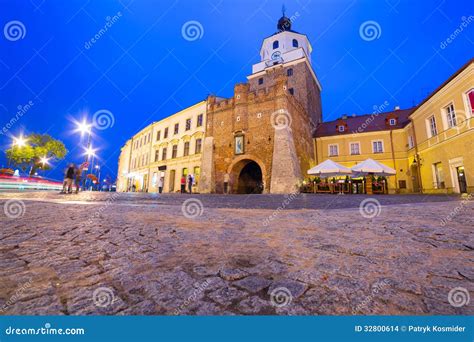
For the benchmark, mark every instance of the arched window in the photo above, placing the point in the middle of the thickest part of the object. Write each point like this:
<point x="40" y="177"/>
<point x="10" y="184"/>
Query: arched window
<point x="289" y="72"/>
<point x="295" y="43"/>
<point x="275" y="44"/>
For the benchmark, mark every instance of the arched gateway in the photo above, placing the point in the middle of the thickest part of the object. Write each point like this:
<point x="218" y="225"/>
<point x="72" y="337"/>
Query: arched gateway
<point x="246" y="176"/>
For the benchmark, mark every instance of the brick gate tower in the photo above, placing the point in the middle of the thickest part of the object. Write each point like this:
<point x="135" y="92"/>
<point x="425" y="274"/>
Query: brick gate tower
<point x="260" y="140"/>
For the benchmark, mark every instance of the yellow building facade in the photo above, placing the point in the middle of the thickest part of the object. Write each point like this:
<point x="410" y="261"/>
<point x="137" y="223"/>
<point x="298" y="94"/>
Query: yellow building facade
<point x="164" y="152"/>
<point x="430" y="146"/>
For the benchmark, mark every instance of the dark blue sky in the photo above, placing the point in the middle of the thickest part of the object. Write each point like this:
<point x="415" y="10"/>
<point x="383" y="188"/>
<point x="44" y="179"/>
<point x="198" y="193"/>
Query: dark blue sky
<point x="142" y="69"/>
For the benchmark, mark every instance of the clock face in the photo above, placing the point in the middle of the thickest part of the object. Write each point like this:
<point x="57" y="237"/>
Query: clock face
<point x="276" y="55"/>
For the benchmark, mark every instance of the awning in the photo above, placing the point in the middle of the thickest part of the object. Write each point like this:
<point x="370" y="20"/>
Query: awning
<point x="370" y="166"/>
<point x="329" y="168"/>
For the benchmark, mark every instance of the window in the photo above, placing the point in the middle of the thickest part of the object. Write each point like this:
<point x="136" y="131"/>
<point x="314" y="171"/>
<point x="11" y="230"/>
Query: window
<point x="450" y="116"/>
<point x="157" y="155"/>
<point x="333" y="150"/>
<point x="402" y="184"/>
<point x="433" y="129"/>
<point x="411" y="142"/>
<point x="198" y="145"/>
<point x="377" y="146"/>
<point x="470" y="100"/>
<point x="163" y="153"/>
<point x="176" y="128"/>
<point x="199" y="120"/>
<point x="188" y="124"/>
<point x="438" y="176"/>
<point x="197" y="174"/>
<point x="165" y="135"/>
<point x="158" y="136"/>
<point x="276" y="44"/>
<point x="392" y="122"/>
<point x="292" y="91"/>
<point x="341" y="128"/>
<point x="260" y="80"/>
<point x="185" y="172"/>
<point x="289" y="72"/>
<point x="174" y="151"/>
<point x="295" y="43"/>
<point x="355" y="148"/>
<point x="186" y="149"/>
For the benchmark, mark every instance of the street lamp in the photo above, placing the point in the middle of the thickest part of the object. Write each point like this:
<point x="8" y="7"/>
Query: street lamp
<point x="44" y="161"/>
<point x="84" y="128"/>
<point x="20" y="142"/>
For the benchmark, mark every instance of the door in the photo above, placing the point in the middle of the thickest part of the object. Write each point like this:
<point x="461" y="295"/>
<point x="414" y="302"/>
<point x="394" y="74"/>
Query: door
<point x="172" y="176"/>
<point x="461" y="179"/>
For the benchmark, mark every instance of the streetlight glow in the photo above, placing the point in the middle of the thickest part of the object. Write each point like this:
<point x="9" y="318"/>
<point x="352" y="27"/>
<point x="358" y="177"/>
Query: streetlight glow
<point x="90" y="152"/>
<point x="44" y="161"/>
<point x="20" y="142"/>
<point x="84" y="127"/>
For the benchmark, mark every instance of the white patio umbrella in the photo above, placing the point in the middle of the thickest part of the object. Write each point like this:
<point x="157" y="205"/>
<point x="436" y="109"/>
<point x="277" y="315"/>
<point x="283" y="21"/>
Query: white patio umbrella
<point x="370" y="166"/>
<point x="329" y="168"/>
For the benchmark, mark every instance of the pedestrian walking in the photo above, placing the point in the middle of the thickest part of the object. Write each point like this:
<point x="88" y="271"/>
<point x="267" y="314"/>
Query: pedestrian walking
<point x="160" y="185"/>
<point x="68" y="179"/>
<point x="183" y="184"/>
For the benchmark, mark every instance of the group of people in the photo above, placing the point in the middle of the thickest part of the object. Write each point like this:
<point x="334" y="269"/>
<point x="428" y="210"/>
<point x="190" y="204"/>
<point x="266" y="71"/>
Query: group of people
<point x="189" y="181"/>
<point x="72" y="175"/>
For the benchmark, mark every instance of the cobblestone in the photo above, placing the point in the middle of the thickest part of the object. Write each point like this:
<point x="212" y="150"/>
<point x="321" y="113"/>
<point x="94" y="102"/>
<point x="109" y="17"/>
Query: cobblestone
<point x="154" y="260"/>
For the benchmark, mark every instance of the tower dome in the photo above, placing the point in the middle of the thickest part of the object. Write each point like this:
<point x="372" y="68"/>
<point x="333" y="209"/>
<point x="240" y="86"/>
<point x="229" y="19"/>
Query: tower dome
<point x="284" y="23"/>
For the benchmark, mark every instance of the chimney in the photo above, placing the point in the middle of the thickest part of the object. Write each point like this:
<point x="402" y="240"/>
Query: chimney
<point x="353" y="115"/>
<point x="344" y="117"/>
<point x="397" y="107"/>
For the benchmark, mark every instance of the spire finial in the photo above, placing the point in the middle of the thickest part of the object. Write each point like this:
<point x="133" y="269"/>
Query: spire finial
<point x="283" y="9"/>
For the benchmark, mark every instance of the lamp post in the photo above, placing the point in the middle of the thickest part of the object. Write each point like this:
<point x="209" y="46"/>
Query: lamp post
<point x="90" y="152"/>
<point x="97" y="167"/>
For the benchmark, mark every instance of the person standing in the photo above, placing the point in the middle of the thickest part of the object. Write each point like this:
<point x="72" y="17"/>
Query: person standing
<point x="160" y="185"/>
<point x="69" y="177"/>
<point x="226" y="183"/>
<point x="190" y="183"/>
<point x="183" y="184"/>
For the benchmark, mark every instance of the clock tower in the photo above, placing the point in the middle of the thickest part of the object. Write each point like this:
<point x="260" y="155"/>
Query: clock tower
<point x="291" y="51"/>
<point x="260" y="139"/>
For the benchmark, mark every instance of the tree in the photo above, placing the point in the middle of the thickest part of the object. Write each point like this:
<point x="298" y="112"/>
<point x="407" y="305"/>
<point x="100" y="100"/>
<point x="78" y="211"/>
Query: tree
<point x="37" y="147"/>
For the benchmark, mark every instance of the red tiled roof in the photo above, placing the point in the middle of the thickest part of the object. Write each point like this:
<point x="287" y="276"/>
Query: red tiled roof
<point x="365" y="123"/>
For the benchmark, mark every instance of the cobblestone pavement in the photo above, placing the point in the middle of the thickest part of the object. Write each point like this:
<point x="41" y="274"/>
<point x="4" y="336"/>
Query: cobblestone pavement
<point x="143" y="254"/>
